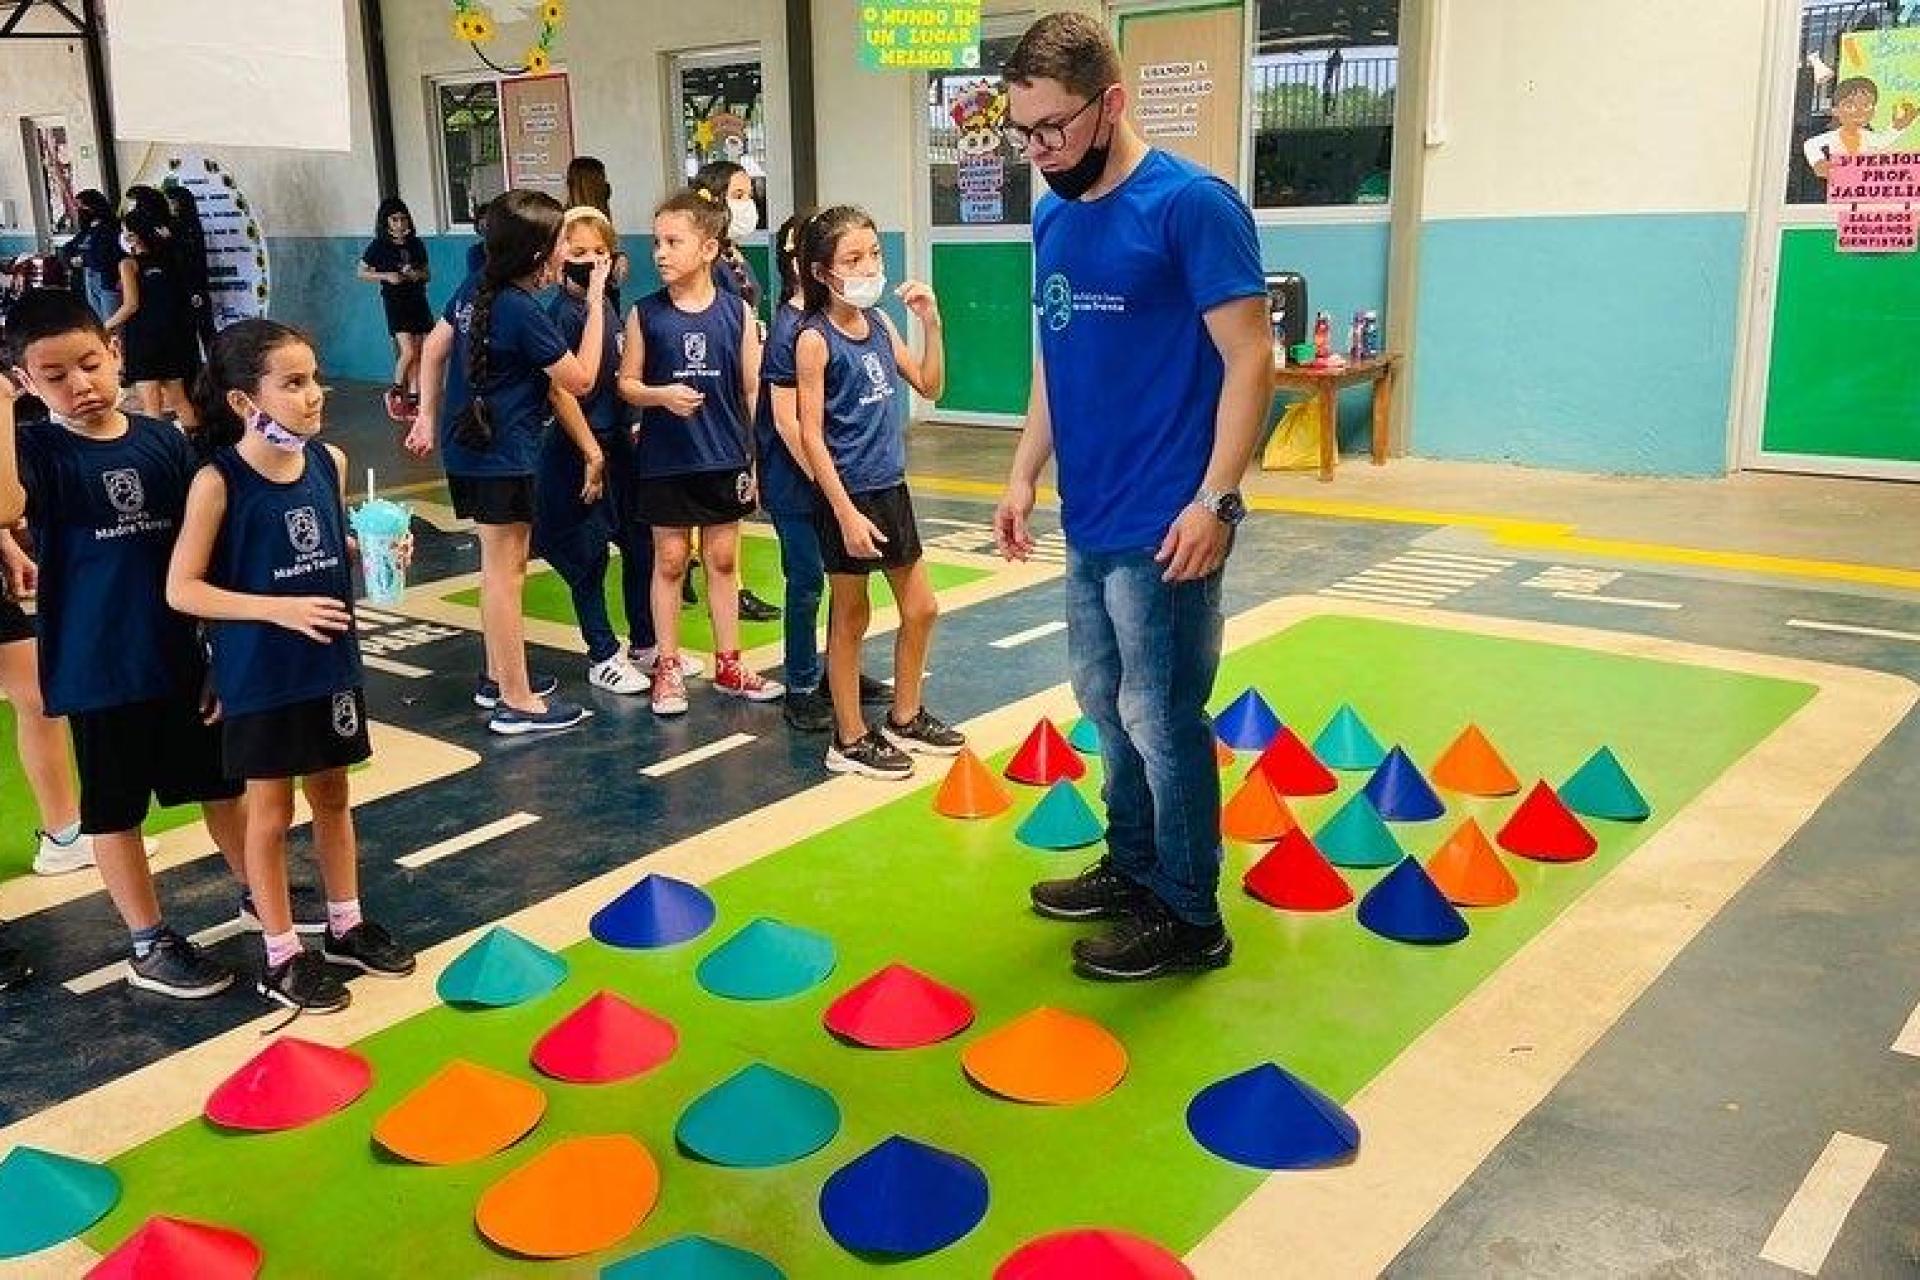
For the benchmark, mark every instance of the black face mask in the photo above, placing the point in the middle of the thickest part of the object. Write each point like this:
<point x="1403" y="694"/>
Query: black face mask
<point x="580" y="273"/>
<point x="1079" y="177"/>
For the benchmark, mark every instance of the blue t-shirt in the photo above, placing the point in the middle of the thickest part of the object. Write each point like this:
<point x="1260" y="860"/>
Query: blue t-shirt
<point x="1122" y="286"/>
<point x="522" y="341"/>
<point x="604" y="410"/>
<point x="702" y="350"/>
<point x="281" y="540"/>
<point x="784" y="487"/>
<point x="104" y="515"/>
<point x="865" y="420"/>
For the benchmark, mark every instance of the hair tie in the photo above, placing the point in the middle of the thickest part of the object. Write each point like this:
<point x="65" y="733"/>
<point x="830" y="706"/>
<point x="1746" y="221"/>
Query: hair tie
<point x="705" y="194"/>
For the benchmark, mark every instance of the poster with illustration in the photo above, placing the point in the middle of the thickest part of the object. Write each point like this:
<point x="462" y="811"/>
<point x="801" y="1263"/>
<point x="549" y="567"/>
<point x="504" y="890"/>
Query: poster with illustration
<point x="1875" y="97"/>
<point x="978" y="109"/>
<point x="237" y="275"/>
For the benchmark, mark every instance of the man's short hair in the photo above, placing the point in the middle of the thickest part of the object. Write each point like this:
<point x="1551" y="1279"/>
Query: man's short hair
<point x="1070" y="48"/>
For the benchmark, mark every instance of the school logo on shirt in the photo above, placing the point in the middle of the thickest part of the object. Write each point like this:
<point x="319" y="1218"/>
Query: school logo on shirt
<point x="303" y="529"/>
<point x="346" y="715"/>
<point x="695" y="347"/>
<point x="125" y="492"/>
<point x="1056" y="302"/>
<point x="876" y="372"/>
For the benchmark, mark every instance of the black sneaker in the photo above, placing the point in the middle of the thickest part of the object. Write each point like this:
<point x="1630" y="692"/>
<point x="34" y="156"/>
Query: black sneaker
<point x="808" y="710"/>
<point x="305" y="984"/>
<point x="873" y="692"/>
<point x="486" y="693"/>
<point x="871" y="757"/>
<point x="175" y="967"/>
<point x="1098" y="893"/>
<point x="926" y="734"/>
<point x="1151" y="942"/>
<point x="309" y="913"/>
<point x="370" y="949"/>
<point x="754" y="609"/>
<point x="15" y="968"/>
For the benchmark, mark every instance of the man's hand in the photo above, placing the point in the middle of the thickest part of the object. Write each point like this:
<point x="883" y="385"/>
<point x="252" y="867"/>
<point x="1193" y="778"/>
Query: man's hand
<point x="1195" y="546"/>
<point x="1010" y="521"/>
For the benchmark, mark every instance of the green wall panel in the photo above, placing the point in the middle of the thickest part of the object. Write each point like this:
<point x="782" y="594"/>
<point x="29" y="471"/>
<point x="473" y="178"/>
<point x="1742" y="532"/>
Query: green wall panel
<point x="986" y="293"/>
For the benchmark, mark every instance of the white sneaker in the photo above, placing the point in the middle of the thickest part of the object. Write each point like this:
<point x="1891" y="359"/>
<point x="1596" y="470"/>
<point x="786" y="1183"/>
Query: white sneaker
<point x="56" y="859"/>
<point x="645" y="659"/>
<point x="617" y="675"/>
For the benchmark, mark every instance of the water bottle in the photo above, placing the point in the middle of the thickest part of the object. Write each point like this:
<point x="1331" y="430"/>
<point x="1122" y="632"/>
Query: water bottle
<point x="1357" y="337"/>
<point x="1370" y="337"/>
<point x="1322" y="336"/>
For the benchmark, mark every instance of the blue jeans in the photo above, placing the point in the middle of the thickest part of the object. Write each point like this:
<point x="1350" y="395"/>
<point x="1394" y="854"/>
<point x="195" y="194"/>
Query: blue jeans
<point x="806" y="578"/>
<point x="1144" y="653"/>
<point x="574" y="536"/>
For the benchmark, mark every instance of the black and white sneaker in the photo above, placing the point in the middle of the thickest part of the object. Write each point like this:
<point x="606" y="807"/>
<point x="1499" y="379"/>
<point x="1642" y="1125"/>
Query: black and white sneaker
<point x="1098" y="893"/>
<point x="370" y="949"/>
<point x="175" y="967"/>
<point x="486" y="693"/>
<point x="309" y="913"/>
<point x="925" y="734"/>
<point x="870" y="757"/>
<point x="305" y="985"/>
<point x="1151" y="943"/>
<point x="754" y="609"/>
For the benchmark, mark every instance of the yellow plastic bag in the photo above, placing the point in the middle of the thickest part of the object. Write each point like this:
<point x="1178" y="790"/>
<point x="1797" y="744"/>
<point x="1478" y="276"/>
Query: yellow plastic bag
<point x="1295" y="442"/>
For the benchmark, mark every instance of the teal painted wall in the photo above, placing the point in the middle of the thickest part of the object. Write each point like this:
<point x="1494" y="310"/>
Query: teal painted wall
<point x="1600" y="343"/>
<point x="1346" y="269"/>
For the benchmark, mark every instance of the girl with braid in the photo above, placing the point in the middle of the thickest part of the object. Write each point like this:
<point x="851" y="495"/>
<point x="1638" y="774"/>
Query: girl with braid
<point x="505" y="368"/>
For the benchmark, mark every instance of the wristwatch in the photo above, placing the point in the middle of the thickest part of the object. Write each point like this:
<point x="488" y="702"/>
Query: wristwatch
<point x="1228" y="508"/>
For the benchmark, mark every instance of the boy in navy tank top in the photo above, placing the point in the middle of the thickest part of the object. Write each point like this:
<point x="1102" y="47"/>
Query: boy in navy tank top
<point x="692" y="364"/>
<point x="263" y="557"/>
<point x="106" y="492"/>
<point x="847" y="359"/>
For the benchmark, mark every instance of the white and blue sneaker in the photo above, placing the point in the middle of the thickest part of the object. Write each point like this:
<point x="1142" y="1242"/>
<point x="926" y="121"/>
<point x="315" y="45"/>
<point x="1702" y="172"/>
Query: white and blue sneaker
<point x="486" y="693"/>
<point x="511" y="722"/>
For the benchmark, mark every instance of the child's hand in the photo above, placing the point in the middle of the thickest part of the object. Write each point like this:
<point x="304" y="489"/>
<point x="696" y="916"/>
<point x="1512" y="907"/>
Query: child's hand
<point x="597" y="279"/>
<point x="419" y="441"/>
<point x="681" y="400"/>
<point x="22" y="574"/>
<point x="318" y="618"/>
<point x="861" y="536"/>
<point x="403" y="551"/>
<point x="596" y="478"/>
<point x="919" y="299"/>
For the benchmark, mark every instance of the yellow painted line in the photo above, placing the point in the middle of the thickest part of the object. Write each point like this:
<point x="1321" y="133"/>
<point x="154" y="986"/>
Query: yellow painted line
<point x="1538" y="535"/>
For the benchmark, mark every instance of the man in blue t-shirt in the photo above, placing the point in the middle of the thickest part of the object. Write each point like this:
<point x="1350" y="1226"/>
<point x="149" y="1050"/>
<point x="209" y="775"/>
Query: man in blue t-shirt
<point x="1153" y="380"/>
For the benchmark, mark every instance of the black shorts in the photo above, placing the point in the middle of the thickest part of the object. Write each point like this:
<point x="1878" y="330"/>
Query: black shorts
<point x="891" y="510"/>
<point x="15" y="624"/>
<point x="408" y="313"/>
<point x="145" y="751"/>
<point x="295" y="741"/>
<point x="695" y="500"/>
<point x="492" y="499"/>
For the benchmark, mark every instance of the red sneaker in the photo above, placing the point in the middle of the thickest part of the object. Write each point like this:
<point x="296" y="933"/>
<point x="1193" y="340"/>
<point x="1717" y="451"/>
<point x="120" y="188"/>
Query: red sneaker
<point x="396" y="400"/>
<point x="734" y="680"/>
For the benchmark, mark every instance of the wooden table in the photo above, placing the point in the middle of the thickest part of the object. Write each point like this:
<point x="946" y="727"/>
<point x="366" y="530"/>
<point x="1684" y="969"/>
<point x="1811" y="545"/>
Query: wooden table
<point x="1327" y="384"/>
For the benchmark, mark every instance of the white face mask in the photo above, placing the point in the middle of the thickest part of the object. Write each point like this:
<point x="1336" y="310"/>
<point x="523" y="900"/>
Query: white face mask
<point x="862" y="291"/>
<point x="743" y="219"/>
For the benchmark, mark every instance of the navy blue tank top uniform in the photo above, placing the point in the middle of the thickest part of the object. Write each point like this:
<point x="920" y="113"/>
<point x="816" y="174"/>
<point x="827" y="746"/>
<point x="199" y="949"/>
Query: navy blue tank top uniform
<point x="695" y="470"/>
<point x="291" y="705"/>
<point x="158" y="339"/>
<point x="865" y="430"/>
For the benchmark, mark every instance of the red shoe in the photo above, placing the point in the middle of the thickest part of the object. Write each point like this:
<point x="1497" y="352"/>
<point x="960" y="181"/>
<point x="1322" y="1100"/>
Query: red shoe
<point x="734" y="680"/>
<point x="396" y="400"/>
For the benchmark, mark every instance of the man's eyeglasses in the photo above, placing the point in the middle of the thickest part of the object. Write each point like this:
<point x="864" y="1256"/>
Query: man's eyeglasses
<point x="1048" y="137"/>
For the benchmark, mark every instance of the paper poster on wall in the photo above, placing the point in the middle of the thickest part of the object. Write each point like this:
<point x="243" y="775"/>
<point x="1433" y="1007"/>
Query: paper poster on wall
<point x="1874" y="196"/>
<point x="1876" y="99"/>
<point x="537" y="114"/>
<point x="1183" y="72"/>
<point x="238" y="278"/>
<point x="978" y="109"/>
<point x="232" y="73"/>
<point x="920" y="36"/>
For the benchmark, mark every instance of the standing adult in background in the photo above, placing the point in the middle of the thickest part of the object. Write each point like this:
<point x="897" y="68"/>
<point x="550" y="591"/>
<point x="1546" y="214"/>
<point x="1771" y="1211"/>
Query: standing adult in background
<point x="1137" y="251"/>
<point x="95" y="252"/>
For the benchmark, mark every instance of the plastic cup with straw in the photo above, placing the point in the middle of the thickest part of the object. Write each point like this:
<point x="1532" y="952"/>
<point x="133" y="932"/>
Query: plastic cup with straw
<point x="380" y="525"/>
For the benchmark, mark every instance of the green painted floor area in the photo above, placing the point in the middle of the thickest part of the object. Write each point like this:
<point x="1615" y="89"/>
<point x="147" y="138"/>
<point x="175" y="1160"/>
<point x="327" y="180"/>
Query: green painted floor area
<point x="547" y="597"/>
<point x="1318" y="994"/>
<point x="20" y="819"/>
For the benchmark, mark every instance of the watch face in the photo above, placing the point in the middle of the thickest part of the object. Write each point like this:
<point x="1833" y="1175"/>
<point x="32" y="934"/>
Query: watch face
<point x="1233" y="508"/>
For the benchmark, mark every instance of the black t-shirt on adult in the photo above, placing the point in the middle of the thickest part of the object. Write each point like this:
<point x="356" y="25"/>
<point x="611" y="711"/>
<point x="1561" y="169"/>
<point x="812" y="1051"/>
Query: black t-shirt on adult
<point x="389" y="255"/>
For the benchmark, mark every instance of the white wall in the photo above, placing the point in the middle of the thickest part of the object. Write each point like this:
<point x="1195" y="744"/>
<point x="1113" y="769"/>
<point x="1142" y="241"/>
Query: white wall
<point x="1571" y="106"/>
<point x="865" y="122"/>
<point x="42" y="78"/>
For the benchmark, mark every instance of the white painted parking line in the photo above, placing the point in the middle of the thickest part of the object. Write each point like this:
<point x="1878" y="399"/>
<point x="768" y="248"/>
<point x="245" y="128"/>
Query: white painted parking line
<point x="1625" y="602"/>
<point x="393" y="668"/>
<point x="687" y="759"/>
<point x="1471" y="562"/>
<point x="1414" y="581"/>
<point x="1851" y="629"/>
<point x="1908" y="1041"/>
<point x="1031" y="634"/>
<point x="460" y="843"/>
<point x="1812" y="1220"/>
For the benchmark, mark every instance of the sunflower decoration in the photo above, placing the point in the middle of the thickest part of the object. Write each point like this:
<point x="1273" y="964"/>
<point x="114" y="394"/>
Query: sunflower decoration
<point x="476" y="23"/>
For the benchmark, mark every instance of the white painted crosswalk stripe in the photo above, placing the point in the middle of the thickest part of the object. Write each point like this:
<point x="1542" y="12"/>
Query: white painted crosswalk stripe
<point x="687" y="759"/>
<point x="461" y="843"/>
<point x="1028" y="636"/>
<point x="1379" y="595"/>
<point x="1447" y="557"/>
<point x="1811" y="1222"/>
<point x="1908" y="1041"/>
<point x="392" y="668"/>
<point x="1624" y="602"/>
<point x="1851" y="629"/>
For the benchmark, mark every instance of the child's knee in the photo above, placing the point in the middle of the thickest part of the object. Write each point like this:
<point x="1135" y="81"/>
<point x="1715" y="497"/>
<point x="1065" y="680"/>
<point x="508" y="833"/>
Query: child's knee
<point x="326" y="792"/>
<point x="919" y="609"/>
<point x="670" y="560"/>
